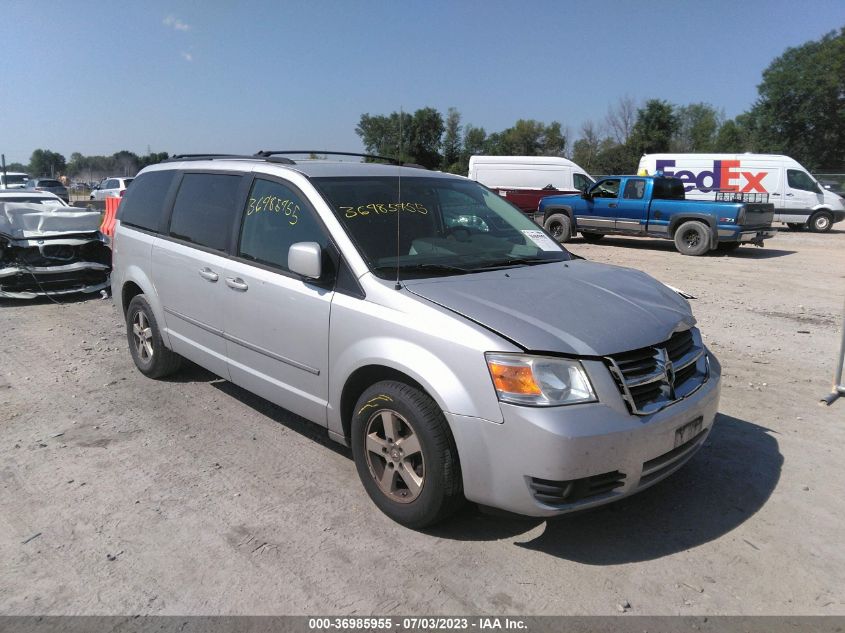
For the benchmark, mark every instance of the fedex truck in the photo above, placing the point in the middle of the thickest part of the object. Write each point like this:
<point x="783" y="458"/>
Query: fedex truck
<point x="798" y="198"/>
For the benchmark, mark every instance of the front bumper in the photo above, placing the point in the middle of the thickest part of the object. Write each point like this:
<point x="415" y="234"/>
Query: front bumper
<point x="512" y="465"/>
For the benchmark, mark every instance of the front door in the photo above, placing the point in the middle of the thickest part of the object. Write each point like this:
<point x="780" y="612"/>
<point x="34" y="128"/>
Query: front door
<point x="632" y="207"/>
<point x="277" y="323"/>
<point x="602" y="207"/>
<point x="801" y="195"/>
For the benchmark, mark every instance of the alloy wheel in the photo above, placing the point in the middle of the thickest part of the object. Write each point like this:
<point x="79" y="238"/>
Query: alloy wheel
<point x="143" y="334"/>
<point x="394" y="456"/>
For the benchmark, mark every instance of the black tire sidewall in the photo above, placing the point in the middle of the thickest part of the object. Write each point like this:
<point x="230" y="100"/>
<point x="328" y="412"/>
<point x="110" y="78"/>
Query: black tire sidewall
<point x="566" y="225"/>
<point x="155" y="367"/>
<point x="703" y="232"/>
<point x="818" y="216"/>
<point x="592" y="238"/>
<point x="434" y="500"/>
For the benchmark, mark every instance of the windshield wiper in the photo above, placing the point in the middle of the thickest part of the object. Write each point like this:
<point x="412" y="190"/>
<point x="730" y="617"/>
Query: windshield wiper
<point x="517" y="261"/>
<point x="425" y="268"/>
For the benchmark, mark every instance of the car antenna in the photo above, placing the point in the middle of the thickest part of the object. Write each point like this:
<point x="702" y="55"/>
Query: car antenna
<point x="398" y="286"/>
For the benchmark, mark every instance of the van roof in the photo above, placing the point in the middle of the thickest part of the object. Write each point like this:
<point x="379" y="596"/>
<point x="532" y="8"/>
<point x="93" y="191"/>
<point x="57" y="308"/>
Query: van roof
<point x="526" y="160"/>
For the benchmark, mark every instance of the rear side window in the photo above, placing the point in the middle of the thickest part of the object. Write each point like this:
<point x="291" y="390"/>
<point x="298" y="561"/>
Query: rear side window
<point x="204" y="209"/>
<point x="668" y="189"/>
<point x="142" y="205"/>
<point x="634" y="190"/>
<point x="275" y="218"/>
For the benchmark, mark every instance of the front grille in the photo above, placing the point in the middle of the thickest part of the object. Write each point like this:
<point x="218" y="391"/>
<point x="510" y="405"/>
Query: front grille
<point x="556" y="493"/>
<point x="651" y="378"/>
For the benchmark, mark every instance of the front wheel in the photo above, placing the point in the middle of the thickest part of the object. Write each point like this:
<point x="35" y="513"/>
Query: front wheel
<point x="560" y="227"/>
<point x="405" y="454"/>
<point x="692" y="238"/>
<point x="821" y="221"/>
<point x="592" y="238"/>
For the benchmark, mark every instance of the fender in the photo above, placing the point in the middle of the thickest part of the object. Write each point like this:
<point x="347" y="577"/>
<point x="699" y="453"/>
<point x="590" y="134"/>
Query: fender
<point x="452" y="393"/>
<point x="135" y="274"/>
<point x="551" y="210"/>
<point x="709" y="220"/>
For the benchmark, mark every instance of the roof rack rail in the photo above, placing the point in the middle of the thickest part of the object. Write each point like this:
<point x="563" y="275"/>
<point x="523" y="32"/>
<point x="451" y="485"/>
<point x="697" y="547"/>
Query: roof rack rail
<point x="181" y="157"/>
<point x="273" y="153"/>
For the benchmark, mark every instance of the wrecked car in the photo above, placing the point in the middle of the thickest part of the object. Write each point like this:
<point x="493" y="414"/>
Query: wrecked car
<point x="48" y="250"/>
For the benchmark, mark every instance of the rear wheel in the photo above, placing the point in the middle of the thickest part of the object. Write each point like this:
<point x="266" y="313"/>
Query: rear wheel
<point x="821" y="221"/>
<point x="405" y="454"/>
<point x="592" y="238"/>
<point x="559" y="226"/>
<point x="692" y="238"/>
<point x="148" y="351"/>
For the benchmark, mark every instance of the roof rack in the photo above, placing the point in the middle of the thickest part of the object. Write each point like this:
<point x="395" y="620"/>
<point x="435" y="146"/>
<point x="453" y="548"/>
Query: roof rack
<point x="273" y="154"/>
<point x="188" y="157"/>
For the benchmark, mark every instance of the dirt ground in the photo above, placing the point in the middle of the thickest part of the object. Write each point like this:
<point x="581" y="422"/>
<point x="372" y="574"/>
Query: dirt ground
<point x="123" y="495"/>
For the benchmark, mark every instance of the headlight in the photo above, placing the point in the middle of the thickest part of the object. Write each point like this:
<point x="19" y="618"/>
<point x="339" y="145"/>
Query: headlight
<point x="539" y="380"/>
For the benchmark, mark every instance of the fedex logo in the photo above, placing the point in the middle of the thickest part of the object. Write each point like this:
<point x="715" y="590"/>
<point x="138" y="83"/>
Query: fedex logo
<point x="725" y="176"/>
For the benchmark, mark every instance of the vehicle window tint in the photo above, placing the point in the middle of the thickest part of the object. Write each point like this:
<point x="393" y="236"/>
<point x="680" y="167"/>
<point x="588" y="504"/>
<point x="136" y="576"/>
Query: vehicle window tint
<point x="142" y="205"/>
<point x="203" y="210"/>
<point x="668" y="189"/>
<point x="110" y="184"/>
<point x="581" y="181"/>
<point x="275" y="218"/>
<point x="801" y="180"/>
<point x="634" y="189"/>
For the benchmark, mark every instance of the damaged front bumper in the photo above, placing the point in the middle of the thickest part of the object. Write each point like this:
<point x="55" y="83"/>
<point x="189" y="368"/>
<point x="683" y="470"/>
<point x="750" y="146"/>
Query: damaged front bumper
<point x="39" y="258"/>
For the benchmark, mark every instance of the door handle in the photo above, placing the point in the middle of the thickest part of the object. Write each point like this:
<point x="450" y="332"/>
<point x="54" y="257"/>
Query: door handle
<point x="237" y="283"/>
<point x="789" y="195"/>
<point x="210" y="275"/>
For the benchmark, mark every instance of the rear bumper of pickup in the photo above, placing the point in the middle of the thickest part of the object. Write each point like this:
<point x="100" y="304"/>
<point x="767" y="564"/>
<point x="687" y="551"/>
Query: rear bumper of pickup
<point x="744" y="235"/>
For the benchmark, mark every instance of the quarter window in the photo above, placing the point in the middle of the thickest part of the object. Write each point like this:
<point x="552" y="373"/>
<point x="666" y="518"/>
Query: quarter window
<point x="275" y="218"/>
<point x="204" y="209"/>
<point x="634" y="190"/>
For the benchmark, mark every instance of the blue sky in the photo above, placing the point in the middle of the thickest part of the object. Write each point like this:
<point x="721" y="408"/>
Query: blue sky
<point x="212" y="76"/>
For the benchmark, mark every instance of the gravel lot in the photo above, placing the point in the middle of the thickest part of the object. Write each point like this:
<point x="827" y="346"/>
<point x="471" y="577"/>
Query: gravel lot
<point x="122" y="495"/>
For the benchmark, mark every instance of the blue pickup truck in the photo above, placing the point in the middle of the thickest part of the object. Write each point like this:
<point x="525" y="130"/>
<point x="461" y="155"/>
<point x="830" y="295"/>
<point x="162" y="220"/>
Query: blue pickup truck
<point x="655" y="206"/>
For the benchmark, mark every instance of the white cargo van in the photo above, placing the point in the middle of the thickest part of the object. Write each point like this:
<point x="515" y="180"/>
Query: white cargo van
<point x="525" y="180"/>
<point x="13" y="180"/>
<point x="798" y="198"/>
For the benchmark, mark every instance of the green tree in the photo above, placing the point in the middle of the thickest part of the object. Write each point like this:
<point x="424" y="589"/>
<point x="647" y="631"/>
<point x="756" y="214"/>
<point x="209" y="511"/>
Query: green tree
<point x="452" y="141"/>
<point x="43" y="162"/>
<point x="410" y="138"/>
<point x="697" y="128"/>
<point x="656" y="124"/>
<point x="801" y="106"/>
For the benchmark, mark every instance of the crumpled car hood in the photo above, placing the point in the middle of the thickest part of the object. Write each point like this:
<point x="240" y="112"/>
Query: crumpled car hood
<point x="20" y="220"/>
<point x="577" y="307"/>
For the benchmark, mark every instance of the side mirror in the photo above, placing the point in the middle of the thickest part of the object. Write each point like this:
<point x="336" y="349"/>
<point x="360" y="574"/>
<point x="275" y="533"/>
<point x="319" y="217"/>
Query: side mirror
<point x="306" y="259"/>
<point x="586" y="194"/>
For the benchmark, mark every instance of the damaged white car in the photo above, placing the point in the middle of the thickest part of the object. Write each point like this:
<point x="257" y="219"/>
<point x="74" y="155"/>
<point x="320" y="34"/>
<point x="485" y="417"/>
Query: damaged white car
<point x="48" y="250"/>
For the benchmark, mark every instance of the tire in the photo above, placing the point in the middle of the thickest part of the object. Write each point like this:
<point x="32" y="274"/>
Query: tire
<point x="692" y="238"/>
<point x="592" y="238"/>
<point x="820" y="221"/>
<point x="559" y="226"/>
<point x="417" y="487"/>
<point x="795" y="226"/>
<point x="151" y="356"/>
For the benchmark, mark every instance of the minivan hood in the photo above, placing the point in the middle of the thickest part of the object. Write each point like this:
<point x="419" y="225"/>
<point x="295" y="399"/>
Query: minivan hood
<point x="577" y="307"/>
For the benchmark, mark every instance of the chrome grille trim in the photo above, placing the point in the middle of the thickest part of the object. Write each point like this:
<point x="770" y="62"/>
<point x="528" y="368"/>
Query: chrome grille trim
<point x="653" y="378"/>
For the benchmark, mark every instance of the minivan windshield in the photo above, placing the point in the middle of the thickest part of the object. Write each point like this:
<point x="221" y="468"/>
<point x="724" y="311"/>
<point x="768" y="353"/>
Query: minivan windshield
<point x="445" y="226"/>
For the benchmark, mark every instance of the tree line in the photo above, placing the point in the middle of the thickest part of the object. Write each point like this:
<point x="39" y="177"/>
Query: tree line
<point x="799" y="111"/>
<point x="44" y="162"/>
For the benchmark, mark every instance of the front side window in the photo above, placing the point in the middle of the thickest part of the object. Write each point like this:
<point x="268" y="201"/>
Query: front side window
<point x="204" y="209"/>
<point x="608" y="188"/>
<point x="801" y="180"/>
<point x="438" y="226"/>
<point x="275" y="218"/>
<point x="634" y="190"/>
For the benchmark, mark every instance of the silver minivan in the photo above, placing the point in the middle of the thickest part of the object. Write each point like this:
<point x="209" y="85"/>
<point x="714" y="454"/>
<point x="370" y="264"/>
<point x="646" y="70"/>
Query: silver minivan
<point x="459" y="350"/>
